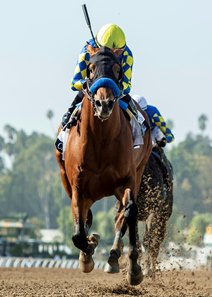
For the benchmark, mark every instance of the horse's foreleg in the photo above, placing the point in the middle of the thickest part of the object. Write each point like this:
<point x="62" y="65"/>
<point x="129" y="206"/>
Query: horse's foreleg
<point x="126" y="217"/>
<point x="134" y="275"/>
<point x="79" y="212"/>
<point x="82" y="222"/>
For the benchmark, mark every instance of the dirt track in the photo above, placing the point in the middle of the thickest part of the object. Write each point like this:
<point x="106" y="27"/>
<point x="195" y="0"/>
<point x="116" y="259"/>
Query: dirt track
<point x="63" y="282"/>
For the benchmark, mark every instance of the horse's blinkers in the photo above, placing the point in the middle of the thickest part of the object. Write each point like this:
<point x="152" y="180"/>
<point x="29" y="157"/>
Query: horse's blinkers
<point x="104" y="64"/>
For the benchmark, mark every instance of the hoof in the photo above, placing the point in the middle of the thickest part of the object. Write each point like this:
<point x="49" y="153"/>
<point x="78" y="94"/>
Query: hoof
<point x="111" y="267"/>
<point x="94" y="238"/>
<point x="86" y="262"/>
<point x="135" y="279"/>
<point x="148" y="272"/>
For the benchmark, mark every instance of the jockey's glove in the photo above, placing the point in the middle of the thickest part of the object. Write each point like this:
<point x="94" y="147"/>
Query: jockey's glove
<point x="162" y="142"/>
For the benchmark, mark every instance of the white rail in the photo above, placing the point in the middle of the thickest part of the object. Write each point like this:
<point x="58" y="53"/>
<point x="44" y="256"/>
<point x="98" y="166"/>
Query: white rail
<point x="47" y="263"/>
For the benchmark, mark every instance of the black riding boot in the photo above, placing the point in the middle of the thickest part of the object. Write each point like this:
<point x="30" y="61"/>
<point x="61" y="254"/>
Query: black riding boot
<point x="68" y="114"/>
<point x="127" y="99"/>
<point x="157" y="152"/>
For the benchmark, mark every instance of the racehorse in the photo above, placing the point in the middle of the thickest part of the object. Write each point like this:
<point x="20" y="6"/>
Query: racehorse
<point x="155" y="201"/>
<point x="100" y="161"/>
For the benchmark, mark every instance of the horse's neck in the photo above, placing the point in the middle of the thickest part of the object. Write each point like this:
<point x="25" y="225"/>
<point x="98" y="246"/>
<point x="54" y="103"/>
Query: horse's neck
<point x="101" y="130"/>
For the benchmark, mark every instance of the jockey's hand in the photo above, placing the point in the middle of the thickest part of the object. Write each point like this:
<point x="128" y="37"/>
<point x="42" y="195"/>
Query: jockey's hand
<point x="162" y="142"/>
<point x="85" y="85"/>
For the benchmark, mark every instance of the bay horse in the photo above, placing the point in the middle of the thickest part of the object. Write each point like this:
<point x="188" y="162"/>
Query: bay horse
<point x="100" y="161"/>
<point x="155" y="202"/>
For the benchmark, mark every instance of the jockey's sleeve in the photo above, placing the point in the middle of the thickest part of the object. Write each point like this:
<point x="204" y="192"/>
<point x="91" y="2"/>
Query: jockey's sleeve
<point x="80" y="71"/>
<point x="127" y="65"/>
<point x="159" y="121"/>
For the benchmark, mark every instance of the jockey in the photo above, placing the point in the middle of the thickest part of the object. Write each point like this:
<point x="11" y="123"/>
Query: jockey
<point x="161" y="133"/>
<point x="110" y="36"/>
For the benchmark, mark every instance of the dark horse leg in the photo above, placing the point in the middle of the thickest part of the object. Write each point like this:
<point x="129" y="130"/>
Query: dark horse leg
<point x="153" y="237"/>
<point x="126" y="218"/>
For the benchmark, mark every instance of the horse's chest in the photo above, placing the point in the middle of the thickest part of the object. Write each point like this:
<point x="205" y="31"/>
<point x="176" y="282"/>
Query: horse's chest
<point x="98" y="182"/>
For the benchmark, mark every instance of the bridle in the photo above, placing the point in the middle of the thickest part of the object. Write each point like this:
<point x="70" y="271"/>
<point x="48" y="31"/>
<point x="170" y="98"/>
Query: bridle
<point x="104" y="61"/>
<point x="86" y="91"/>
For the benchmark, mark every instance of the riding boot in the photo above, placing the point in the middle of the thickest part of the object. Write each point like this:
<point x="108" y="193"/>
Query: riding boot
<point x="131" y="105"/>
<point x="68" y="114"/>
<point x="157" y="153"/>
<point x="133" y="108"/>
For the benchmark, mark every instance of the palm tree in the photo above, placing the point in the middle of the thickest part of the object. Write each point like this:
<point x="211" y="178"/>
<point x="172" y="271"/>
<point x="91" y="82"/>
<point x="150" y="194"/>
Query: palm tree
<point x="202" y="121"/>
<point x="50" y="115"/>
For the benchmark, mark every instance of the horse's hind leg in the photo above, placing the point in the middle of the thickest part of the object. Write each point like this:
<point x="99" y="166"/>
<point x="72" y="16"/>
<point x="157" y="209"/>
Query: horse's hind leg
<point x="112" y="265"/>
<point x="146" y="243"/>
<point x="153" y="237"/>
<point x="134" y="275"/>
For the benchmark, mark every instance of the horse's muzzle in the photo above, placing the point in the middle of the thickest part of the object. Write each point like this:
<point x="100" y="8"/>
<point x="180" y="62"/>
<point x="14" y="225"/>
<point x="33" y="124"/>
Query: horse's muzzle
<point x="103" y="108"/>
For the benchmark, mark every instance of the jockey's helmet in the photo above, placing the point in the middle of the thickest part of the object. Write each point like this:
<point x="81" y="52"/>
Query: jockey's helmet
<point x="112" y="36"/>
<point x="141" y="101"/>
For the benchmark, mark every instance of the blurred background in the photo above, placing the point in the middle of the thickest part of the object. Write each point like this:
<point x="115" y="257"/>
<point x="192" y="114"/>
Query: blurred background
<point x="40" y="42"/>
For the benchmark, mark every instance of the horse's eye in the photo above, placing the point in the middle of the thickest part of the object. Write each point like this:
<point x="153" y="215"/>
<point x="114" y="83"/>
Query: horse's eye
<point x="116" y="70"/>
<point x="91" y="71"/>
<point x="92" y="68"/>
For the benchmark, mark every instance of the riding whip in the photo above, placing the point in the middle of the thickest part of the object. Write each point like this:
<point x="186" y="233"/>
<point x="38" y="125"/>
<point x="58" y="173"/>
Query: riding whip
<point x="84" y="8"/>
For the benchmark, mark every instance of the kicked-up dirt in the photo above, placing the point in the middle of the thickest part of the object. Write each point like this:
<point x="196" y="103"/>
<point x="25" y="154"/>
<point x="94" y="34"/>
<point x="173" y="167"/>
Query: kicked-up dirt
<point x="64" y="282"/>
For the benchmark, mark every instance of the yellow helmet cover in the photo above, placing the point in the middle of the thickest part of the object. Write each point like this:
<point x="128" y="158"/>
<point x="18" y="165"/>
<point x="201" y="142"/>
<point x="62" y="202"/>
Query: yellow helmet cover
<point x="112" y="36"/>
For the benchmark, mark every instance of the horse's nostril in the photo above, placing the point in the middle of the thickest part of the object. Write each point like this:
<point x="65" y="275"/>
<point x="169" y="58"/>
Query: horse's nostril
<point x="110" y="104"/>
<point x="98" y="103"/>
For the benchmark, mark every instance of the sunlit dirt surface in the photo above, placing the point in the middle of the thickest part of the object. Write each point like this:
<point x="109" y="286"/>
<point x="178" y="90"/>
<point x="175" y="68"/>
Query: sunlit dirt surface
<point x="64" y="282"/>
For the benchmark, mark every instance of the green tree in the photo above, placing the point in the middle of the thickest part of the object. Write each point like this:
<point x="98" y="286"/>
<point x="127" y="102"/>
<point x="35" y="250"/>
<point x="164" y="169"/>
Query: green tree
<point x="34" y="168"/>
<point x="177" y="226"/>
<point x="103" y="224"/>
<point x="66" y="225"/>
<point x="191" y="161"/>
<point x="198" y="227"/>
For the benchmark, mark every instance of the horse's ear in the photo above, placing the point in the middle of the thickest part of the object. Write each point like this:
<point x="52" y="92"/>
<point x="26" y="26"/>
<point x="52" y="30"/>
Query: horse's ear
<point x="117" y="52"/>
<point x="91" y="50"/>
